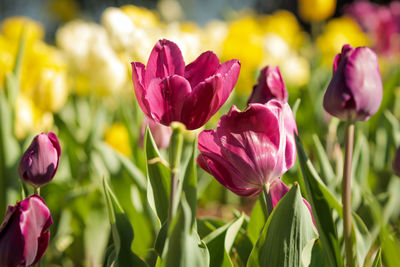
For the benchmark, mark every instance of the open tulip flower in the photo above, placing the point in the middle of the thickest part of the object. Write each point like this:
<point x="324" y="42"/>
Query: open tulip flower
<point x="39" y="163"/>
<point x="249" y="149"/>
<point x="355" y="91"/>
<point x="168" y="91"/>
<point x="24" y="233"/>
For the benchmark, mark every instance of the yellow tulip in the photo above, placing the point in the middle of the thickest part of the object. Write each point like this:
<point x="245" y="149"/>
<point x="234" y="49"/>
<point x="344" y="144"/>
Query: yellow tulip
<point x="12" y="28"/>
<point x="244" y="42"/>
<point x="141" y="17"/>
<point x="339" y="31"/>
<point x="316" y="10"/>
<point x="118" y="138"/>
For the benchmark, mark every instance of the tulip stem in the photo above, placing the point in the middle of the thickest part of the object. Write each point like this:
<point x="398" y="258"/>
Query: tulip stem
<point x="268" y="200"/>
<point x="346" y="193"/>
<point x="36" y="190"/>
<point x="175" y="153"/>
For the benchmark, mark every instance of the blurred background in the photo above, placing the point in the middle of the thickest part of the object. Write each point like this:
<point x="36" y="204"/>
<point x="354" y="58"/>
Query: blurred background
<point x="65" y="67"/>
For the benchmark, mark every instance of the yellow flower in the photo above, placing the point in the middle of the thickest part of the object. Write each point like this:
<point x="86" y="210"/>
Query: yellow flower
<point x="244" y="42"/>
<point x="12" y="28"/>
<point x="118" y="138"/>
<point x="338" y="32"/>
<point x="141" y="17"/>
<point x="316" y="10"/>
<point x="285" y="25"/>
<point x="29" y="119"/>
<point x="6" y="59"/>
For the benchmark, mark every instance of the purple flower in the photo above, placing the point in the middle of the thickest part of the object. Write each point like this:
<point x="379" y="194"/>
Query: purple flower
<point x="168" y="91"/>
<point x="40" y="161"/>
<point x="270" y="86"/>
<point x="355" y="91"/>
<point x="250" y="148"/>
<point x="24" y="233"/>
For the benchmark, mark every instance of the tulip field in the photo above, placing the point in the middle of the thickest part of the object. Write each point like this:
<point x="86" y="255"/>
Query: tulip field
<point x="145" y="139"/>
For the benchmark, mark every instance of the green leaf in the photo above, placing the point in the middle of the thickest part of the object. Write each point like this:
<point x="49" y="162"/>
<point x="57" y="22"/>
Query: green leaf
<point x="190" y="182"/>
<point x="390" y="248"/>
<point x="122" y="232"/>
<point x="378" y="259"/>
<point x="322" y="203"/>
<point x="256" y="223"/>
<point x="326" y="167"/>
<point x="220" y="241"/>
<point x="159" y="177"/>
<point x="318" y="256"/>
<point x="287" y="232"/>
<point x="184" y="245"/>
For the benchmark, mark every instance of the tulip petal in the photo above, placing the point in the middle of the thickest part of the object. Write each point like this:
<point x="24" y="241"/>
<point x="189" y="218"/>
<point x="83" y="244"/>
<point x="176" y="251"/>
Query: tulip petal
<point x="230" y="74"/>
<point x="138" y="73"/>
<point x="202" y="103"/>
<point x="248" y="143"/>
<point x="11" y="239"/>
<point x="203" y="67"/>
<point x="366" y="85"/>
<point x="166" y="98"/>
<point x="227" y="174"/>
<point x="165" y="60"/>
<point x="34" y="222"/>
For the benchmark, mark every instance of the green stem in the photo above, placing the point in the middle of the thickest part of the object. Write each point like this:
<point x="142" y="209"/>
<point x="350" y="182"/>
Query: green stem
<point x="36" y="191"/>
<point x="267" y="200"/>
<point x="175" y="153"/>
<point x="346" y="193"/>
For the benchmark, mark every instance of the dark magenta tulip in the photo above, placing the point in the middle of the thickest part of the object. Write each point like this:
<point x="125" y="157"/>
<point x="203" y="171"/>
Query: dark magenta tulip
<point x="168" y="91"/>
<point x="39" y="163"/>
<point x="355" y="91"/>
<point x="270" y="86"/>
<point x="24" y="233"/>
<point x="250" y="148"/>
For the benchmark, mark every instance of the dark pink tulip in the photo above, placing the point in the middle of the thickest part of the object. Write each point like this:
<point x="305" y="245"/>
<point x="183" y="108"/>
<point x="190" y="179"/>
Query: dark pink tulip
<point x="168" y="91"/>
<point x="270" y="86"/>
<point x="161" y="133"/>
<point x="24" y="233"/>
<point x="39" y="163"/>
<point x="248" y="149"/>
<point x="355" y="91"/>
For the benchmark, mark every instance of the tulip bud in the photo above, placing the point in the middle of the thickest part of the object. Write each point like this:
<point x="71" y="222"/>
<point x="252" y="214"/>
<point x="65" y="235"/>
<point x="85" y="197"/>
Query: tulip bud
<point x="24" y="233"/>
<point x="316" y="10"/>
<point x="270" y="86"/>
<point x="40" y="161"/>
<point x="355" y="91"/>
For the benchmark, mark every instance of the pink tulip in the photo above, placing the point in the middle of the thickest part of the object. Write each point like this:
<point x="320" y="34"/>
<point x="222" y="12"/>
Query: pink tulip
<point x="250" y="148"/>
<point x="39" y="163"/>
<point x="161" y="134"/>
<point x="168" y="91"/>
<point x="270" y="86"/>
<point x="24" y="233"/>
<point x="355" y="91"/>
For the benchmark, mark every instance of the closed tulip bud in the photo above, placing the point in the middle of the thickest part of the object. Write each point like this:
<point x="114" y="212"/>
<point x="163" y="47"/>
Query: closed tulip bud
<point x="355" y="91"/>
<point x="169" y="91"/>
<point x="40" y="161"/>
<point x="24" y="233"/>
<point x="270" y="86"/>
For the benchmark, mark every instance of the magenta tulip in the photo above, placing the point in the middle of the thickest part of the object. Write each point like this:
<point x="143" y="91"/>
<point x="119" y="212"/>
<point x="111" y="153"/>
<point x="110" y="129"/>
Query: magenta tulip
<point x="355" y="91"/>
<point x="168" y="91"/>
<point x="270" y="86"/>
<point x="39" y="163"/>
<point x="24" y="233"/>
<point x="250" y="148"/>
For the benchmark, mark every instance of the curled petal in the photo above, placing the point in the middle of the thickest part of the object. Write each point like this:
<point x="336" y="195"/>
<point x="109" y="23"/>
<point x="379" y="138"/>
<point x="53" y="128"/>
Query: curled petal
<point x="165" y="60"/>
<point x="203" y="67"/>
<point x="138" y="73"/>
